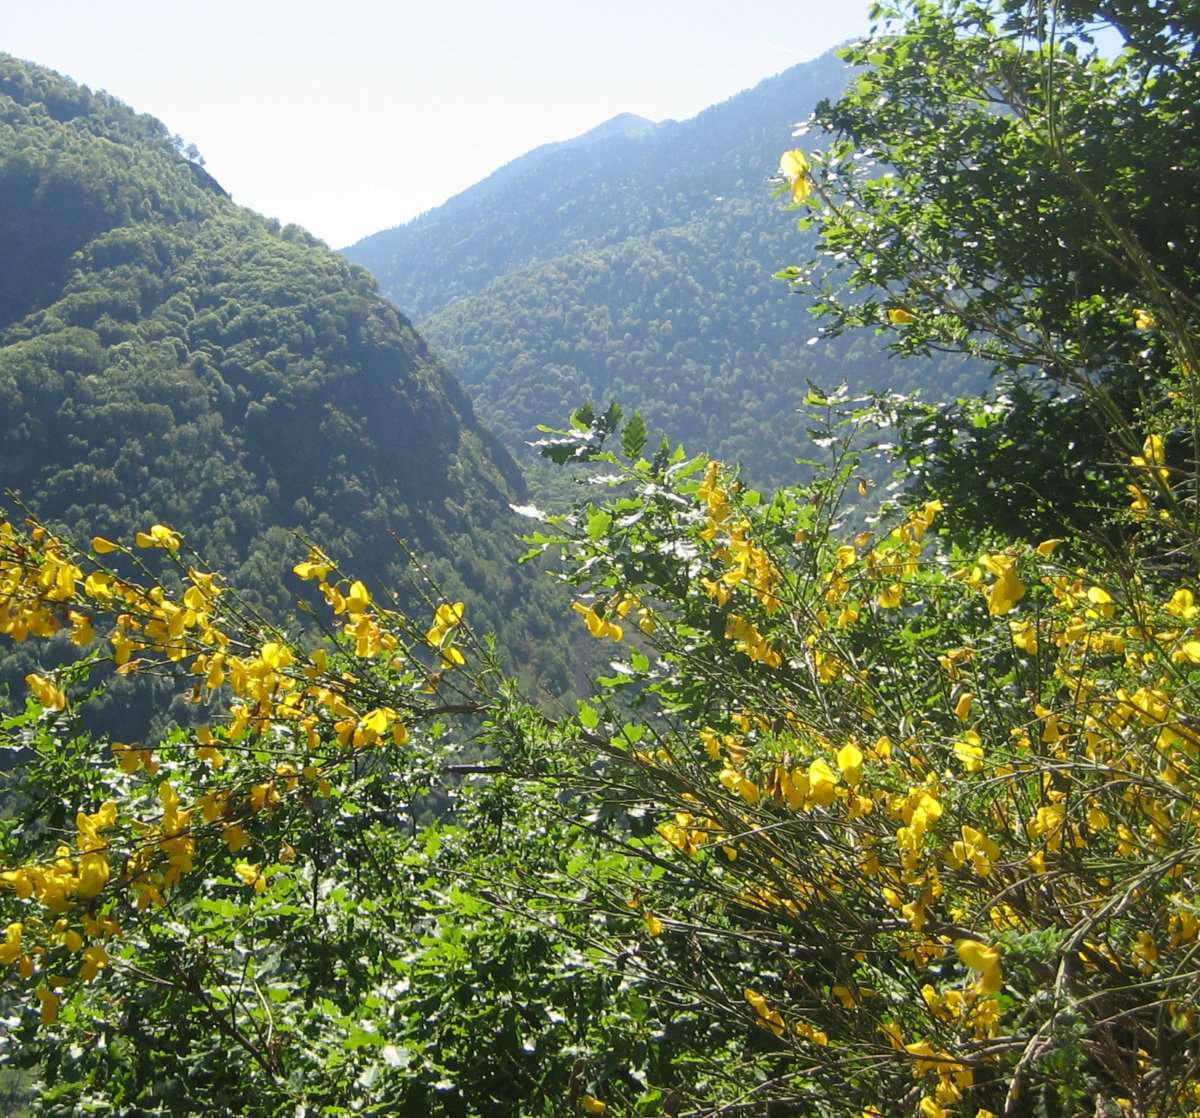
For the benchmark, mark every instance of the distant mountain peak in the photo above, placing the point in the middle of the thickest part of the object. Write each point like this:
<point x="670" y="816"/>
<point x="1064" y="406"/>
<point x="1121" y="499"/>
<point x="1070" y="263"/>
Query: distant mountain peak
<point x="628" y="176"/>
<point x="623" y="124"/>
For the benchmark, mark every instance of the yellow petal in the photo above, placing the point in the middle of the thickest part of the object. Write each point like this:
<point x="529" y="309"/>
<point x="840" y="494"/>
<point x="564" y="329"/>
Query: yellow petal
<point x="978" y="956"/>
<point x="849" y="761"/>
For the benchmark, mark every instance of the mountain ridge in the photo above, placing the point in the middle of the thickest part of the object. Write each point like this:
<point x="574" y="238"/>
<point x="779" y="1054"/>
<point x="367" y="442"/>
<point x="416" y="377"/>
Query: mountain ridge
<point x="411" y="260"/>
<point x="641" y="270"/>
<point x="168" y="356"/>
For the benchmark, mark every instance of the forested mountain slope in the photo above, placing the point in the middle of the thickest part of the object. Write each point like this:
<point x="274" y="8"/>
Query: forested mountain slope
<point x="167" y="356"/>
<point x="564" y="197"/>
<point x="638" y="267"/>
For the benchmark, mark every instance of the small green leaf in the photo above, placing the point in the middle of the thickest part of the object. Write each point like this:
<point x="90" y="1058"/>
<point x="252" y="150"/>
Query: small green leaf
<point x="589" y="717"/>
<point x="633" y="732"/>
<point x="599" y="523"/>
<point x="581" y="418"/>
<point x="633" y="438"/>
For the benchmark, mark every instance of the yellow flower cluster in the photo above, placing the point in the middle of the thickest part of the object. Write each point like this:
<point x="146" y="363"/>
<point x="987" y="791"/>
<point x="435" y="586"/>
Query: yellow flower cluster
<point x="1081" y="782"/>
<point x="599" y="627"/>
<point x="860" y="572"/>
<point x="748" y="640"/>
<point x="126" y="856"/>
<point x="745" y="562"/>
<point x="446" y="621"/>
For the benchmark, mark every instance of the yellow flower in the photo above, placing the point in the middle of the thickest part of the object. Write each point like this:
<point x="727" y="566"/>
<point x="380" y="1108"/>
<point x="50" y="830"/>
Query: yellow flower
<point x="1024" y="635"/>
<point x="251" y="874"/>
<point x="159" y="536"/>
<point x="1101" y="601"/>
<point x="849" y="761"/>
<point x="898" y="316"/>
<point x="969" y="750"/>
<point x="95" y="959"/>
<point x="211" y="755"/>
<point x="10" y="949"/>
<point x="82" y="634"/>
<point x="1143" y="319"/>
<point x="49" y="1002"/>
<point x="597" y="625"/>
<point x="51" y="697"/>
<point x="891" y="597"/>
<point x="358" y="599"/>
<point x="822" y="783"/>
<point x="794" y="167"/>
<point x="101" y="546"/>
<point x="811" y="1033"/>
<point x="983" y="959"/>
<point x="1140" y="504"/>
<point x="317" y="566"/>
<point x="930" y="1109"/>
<point x="739" y="783"/>
<point x="589" y="1104"/>
<point x="1183" y="605"/>
<point x="93" y="873"/>
<point x="771" y="1018"/>
<point x="1008" y="589"/>
<point x="446" y="620"/>
<point x="276" y="656"/>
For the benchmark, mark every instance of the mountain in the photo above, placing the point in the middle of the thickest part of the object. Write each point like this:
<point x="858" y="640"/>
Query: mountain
<point x="623" y="124"/>
<point x="635" y="263"/>
<point x="169" y="357"/>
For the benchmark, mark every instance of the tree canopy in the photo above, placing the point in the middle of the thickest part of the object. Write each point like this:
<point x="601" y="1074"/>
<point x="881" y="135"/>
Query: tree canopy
<point x="998" y="187"/>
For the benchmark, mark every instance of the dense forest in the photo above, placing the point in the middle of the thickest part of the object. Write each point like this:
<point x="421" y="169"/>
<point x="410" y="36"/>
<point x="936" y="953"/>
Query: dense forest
<point x="168" y="356"/>
<point x="882" y="802"/>
<point x="637" y="266"/>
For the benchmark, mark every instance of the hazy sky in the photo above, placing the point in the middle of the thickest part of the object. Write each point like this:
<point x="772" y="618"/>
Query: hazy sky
<point x="348" y="116"/>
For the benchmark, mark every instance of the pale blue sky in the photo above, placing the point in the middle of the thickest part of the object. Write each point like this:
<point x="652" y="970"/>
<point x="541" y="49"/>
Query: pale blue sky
<point x="349" y="116"/>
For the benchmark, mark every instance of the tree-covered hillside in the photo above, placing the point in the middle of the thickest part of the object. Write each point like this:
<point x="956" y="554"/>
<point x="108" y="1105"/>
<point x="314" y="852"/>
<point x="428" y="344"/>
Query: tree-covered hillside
<point x="169" y="357"/>
<point x="639" y="268"/>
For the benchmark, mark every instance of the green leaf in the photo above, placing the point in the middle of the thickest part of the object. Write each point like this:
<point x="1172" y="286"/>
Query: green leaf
<point x="589" y="717"/>
<point x="633" y="732"/>
<point x="633" y="438"/>
<point x="599" y="523"/>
